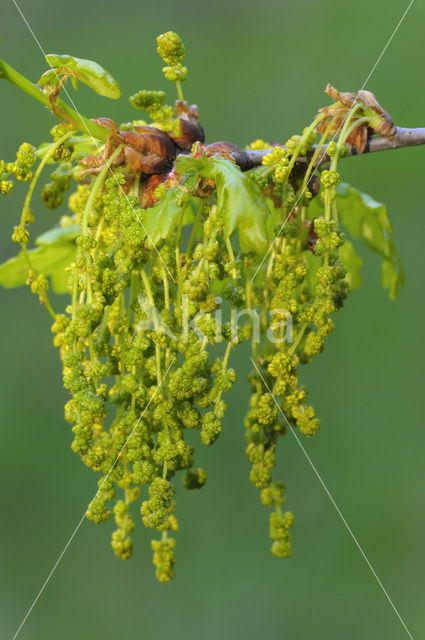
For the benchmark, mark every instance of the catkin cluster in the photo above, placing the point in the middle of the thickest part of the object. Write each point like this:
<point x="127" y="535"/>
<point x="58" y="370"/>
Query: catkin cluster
<point x="165" y="278"/>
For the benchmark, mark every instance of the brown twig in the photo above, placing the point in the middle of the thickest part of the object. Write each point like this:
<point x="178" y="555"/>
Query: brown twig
<point x="403" y="138"/>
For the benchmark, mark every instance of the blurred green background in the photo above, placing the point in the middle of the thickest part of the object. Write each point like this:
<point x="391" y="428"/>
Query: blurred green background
<point x="255" y="71"/>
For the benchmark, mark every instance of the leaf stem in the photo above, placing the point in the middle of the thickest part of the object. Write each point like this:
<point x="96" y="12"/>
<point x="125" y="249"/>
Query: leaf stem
<point x="80" y="122"/>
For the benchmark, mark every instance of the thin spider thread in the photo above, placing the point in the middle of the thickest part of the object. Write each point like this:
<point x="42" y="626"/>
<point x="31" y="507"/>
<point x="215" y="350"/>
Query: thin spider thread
<point x="292" y="430"/>
<point x="98" y="147"/>
<point x="45" y="583"/>
<point x="319" y="160"/>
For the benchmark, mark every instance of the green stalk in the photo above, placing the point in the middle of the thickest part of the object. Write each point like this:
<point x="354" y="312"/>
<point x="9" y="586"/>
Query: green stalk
<point x="121" y="339"/>
<point x="134" y="289"/>
<point x="179" y="90"/>
<point x="232" y="256"/>
<point x="97" y="184"/>
<point x="166" y="288"/>
<point x="314" y="158"/>
<point x="233" y="327"/>
<point x="25" y="209"/>
<point x="298" y="339"/>
<point x="227" y="354"/>
<point x="194" y="229"/>
<point x="40" y="167"/>
<point x="177" y="251"/>
<point x="341" y="141"/>
<point x="167" y="306"/>
<point x="81" y="123"/>
<point x="345" y="132"/>
<point x="48" y="306"/>
<point x="310" y="169"/>
<point x="150" y="297"/>
<point x="302" y="139"/>
<point x="100" y="179"/>
<point x="248" y="290"/>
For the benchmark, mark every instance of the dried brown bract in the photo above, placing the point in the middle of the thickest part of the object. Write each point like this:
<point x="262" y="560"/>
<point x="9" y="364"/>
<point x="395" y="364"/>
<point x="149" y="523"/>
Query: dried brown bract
<point x="312" y="236"/>
<point x="379" y="120"/>
<point x="191" y="130"/>
<point x="148" y="150"/>
<point x="147" y="197"/>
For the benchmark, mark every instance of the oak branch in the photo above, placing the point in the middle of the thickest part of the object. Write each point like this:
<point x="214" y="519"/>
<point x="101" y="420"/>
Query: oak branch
<point x="404" y="138"/>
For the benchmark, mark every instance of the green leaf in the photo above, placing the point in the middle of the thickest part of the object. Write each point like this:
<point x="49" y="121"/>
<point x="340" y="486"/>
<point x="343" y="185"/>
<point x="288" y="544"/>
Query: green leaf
<point x="239" y="202"/>
<point x="391" y="277"/>
<point x="56" y="251"/>
<point x="190" y="211"/>
<point x="189" y="166"/>
<point x="161" y="220"/>
<point x="365" y="218"/>
<point x="353" y="263"/>
<point x="59" y="235"/>
<point x="49" y="77"/>
<point x="241" y="205"/>
<point x="87" y="71"/>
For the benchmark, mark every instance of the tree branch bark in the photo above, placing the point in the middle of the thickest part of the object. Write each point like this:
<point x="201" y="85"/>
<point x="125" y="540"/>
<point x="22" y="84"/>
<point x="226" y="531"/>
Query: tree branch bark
<point x="404" y="138"/>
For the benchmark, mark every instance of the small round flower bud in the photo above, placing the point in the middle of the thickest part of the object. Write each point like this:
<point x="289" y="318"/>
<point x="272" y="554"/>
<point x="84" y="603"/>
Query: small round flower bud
<point x="170" y="48"/>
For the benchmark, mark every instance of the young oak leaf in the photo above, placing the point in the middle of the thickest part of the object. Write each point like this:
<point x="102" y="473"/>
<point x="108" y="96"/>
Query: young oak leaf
<point x="365" y="218"/>
<point x="239" y="202"/>
<point x="87" y="71"/>
<point x="353" y="263"/>
<point x="56" y="251"/>
<point x="160" y="221"/>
